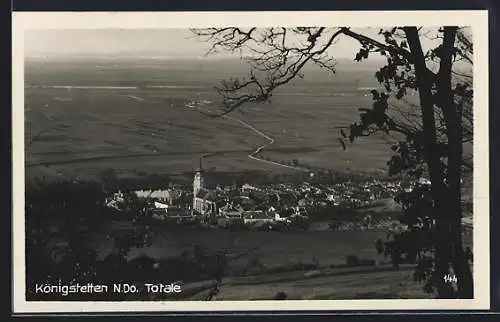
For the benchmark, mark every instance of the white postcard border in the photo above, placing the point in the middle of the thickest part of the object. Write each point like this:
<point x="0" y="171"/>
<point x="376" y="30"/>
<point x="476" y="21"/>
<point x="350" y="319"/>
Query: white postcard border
<point x="478" y="20"/>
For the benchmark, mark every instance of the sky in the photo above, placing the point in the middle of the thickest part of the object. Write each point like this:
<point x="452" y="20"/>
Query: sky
<point x="171" y="43"/>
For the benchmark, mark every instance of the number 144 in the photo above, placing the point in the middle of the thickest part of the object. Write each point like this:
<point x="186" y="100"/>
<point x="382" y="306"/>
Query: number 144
<point x="450" y="278"/>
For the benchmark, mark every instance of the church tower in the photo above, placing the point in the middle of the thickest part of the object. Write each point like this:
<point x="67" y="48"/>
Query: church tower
<point x="198" y="183"/>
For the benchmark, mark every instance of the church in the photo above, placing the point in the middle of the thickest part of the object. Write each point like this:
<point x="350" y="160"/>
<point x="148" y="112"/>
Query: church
<point x="204" y="199"/>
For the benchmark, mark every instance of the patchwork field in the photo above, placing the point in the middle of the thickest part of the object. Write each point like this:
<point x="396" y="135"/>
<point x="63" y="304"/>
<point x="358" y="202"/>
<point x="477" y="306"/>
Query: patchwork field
<point x="84" y="117"/>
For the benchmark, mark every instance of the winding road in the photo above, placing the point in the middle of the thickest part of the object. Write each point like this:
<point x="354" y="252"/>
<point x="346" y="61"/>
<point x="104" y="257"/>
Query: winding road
<point x="270" y="141"/>
<point x="253" y="155"/>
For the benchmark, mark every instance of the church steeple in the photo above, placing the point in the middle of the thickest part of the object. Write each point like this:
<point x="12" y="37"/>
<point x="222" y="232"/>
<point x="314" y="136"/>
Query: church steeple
<point x="198" y="182"/>
<point x="200" y="166"/>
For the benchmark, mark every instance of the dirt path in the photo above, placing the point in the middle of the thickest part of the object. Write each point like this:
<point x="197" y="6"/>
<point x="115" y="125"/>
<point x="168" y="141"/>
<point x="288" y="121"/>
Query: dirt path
<point x="253" y="155"/>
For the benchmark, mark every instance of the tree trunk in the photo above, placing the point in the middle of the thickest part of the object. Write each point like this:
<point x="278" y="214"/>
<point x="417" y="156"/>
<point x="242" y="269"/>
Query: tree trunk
<point x="425" y="80"/>
<point x="453" y="120"/>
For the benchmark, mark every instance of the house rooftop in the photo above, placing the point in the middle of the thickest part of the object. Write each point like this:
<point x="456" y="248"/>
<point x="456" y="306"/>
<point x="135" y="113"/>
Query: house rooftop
<point x="206" y="194"/>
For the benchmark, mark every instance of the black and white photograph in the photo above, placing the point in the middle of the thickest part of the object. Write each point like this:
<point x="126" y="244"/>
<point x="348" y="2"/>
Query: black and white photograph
<point x="293" y="162"/>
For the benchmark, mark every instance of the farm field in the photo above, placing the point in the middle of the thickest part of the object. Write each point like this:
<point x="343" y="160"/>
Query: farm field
<point x="85" y="117"/>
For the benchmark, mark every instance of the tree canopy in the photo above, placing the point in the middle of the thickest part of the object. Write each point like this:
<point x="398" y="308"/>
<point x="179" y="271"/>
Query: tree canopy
<point x="434" y="128"/>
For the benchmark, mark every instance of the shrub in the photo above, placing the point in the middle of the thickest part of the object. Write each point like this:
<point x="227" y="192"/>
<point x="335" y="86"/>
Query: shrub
<point x="300" y="266"/>
<point x="315" y="262"/>
<point x="352" y="260"/>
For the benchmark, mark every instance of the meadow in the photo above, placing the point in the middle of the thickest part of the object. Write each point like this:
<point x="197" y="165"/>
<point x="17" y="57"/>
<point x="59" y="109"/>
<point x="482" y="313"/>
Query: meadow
<point x="302" y="265"/>
<point x="270" y="248"/>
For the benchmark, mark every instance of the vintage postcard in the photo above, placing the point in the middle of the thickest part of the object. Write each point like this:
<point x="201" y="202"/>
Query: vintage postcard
<point x="250" y="161"/>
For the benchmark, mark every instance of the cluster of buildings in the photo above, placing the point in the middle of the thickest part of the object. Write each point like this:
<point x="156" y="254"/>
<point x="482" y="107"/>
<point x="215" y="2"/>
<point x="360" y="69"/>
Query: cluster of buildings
<point x="249" y="204"/>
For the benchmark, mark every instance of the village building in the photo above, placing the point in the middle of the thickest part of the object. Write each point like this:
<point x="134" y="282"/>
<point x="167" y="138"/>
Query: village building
<point x="248" y="187"/>
<point x="115" y="201"/>
<point x="256" y="216"/>
<point x="300" y="212"/>
<point x="230" y="211"/>
<point x="204" y="199"/>
<point x="164" y="196"/>
<point x="171" y="213"/>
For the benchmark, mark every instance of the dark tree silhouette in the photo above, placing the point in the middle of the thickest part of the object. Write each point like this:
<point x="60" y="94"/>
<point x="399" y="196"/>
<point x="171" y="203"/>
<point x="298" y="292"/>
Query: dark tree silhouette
<point x="59" y="219"/>
<point x="62" y="220"/>
<point x="433" y="130"/>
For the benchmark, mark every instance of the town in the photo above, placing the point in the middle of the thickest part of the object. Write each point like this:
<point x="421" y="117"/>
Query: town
<point x="265" y="206"/>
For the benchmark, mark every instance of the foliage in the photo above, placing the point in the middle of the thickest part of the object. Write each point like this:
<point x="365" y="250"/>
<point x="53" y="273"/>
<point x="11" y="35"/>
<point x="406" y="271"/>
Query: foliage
<point x="62" y="218"/>
<point x="412" y="154"/>
<point x="431" y="132"/>
<point x="352" y="260"/>
<point x="59" y="219"/>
